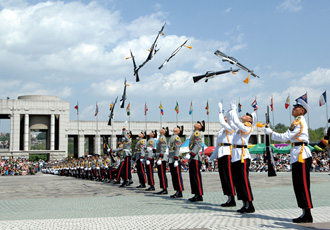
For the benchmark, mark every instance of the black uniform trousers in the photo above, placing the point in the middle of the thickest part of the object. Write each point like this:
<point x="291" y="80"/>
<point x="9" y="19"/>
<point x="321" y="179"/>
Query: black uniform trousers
<point x="140" y="172"/>
<point x="126" y="173"/>
<point x="119" y="170"/>
<point x="301" y="183"/>
<point x="162" y="175"/>
<point x="195" y="177"/>
<point x="150" y="173"/>
<point x="240" y="173"/>
<point x="226" y="177"/>
<point x="176" y="177"/>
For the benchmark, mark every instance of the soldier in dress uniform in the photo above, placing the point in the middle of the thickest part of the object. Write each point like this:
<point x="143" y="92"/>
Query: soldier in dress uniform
<point x="127" y="155"/>
<point x="300" y="159"/>
<point x="140" y="149"/>
<point x="195" y="162"/>
<point x="106" y="176"/>
<point x="241" y="158"/>
<point x="149" y="156"/>
<point x="120" y="156"/>
<point x="161" y="158"/>
<point x="222" y="152"/>
<point x="98" y="164"/>
<point x="175" y="162"/>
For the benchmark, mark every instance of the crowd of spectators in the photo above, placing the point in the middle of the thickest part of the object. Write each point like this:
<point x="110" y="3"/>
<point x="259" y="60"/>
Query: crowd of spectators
<point x="19" y="167"/>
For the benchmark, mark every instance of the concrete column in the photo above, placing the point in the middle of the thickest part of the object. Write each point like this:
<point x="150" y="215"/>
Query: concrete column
<point x="259" y="138"/>
<point x="97" y="144"/>
<point x="11" y="146"/>
<point x="52" y="132"/>
<point x="26" y="132"/>
<point x="215" y="137"/>
<point x="81" y="145"/>
<point x="113" y="141"/>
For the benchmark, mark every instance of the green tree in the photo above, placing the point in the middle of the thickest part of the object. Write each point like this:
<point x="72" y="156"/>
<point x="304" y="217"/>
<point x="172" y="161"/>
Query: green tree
<point x="42" y="136"/>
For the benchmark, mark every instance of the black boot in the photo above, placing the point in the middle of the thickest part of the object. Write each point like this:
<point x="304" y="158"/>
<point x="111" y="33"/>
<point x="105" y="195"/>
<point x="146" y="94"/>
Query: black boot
<point x="242" y="210"/>
<point x="164" y="191"/>
<point x="196" y="198"/>
<point x="306" y="217"/>
<point x="151" y="188"/>
<point x="230" y="202"/>
<point x="249" y="208"/>
<point x="123" y="184"/>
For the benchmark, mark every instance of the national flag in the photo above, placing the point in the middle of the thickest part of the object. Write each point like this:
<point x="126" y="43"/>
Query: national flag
<point x="128" y="109"/>
<point x="239" y="107"/>
<point x="323" y="98"/>
<point x="303" y="97"/>
<point x="77" y="108"/>
<point x="207" y="108"/>
<point x="191" y="109"/>
<point x="96" y="110"/>
<point x="255" y="104"/>
<point x="271" y="104"/>
<point x="145" y="109"/>
<point x="161" y="109"/>
<point x="287" y="102"/>
<point x="177" y="108"/>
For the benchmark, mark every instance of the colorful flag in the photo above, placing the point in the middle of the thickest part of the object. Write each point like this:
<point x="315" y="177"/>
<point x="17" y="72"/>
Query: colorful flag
<point x="161" y="109"/>
<point x="128" y="109"/>
<point x="287" y="102"/>
<point x="177" y="108"/>
<point x="239" y="107"/>
<point x="303" y="97"/>
<point x="191" y="109"/>
<point x="77" y="108"/>
<point x="207" y="108"/>
<point x="145" y="109"/>
<point x="255" y="104"/>
<point x="271" y="104"/>
<point x="96" y="110"/>
<point x="323" y="98"/>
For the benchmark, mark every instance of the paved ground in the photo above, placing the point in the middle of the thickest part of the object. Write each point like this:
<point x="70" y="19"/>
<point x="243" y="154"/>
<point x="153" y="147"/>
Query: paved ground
<point x="53" y="202"/>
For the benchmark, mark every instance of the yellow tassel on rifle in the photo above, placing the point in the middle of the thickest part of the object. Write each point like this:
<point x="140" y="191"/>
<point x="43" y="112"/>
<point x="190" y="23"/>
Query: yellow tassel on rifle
<point x="242" y="155"/>
<point x="259" y="125"/>
<point x="300" y="157"/>
<point x="233" y="72"/>
<point x="127" y="84"/>
<point x="190" y="47"/>
<point x="128" y="58"/>
<point x="247" y="81"/>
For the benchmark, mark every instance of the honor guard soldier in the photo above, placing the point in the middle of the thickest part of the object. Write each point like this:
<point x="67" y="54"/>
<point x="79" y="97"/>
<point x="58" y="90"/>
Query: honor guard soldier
<point x="140" y="149"/>
<point x="149" y="156"/>
<point x="195" y="162"/>
<point x="106" y="176"/>
<point x="300" y="159"/>
<point x="120" y="154"/>
<point x="161" y="158"/>
<point x="241" y="158"/>
<point x="127" y="145"/>
<point x="175" y="162"/>
<point x="222" y="152"/>
<point x="98" y="164"/>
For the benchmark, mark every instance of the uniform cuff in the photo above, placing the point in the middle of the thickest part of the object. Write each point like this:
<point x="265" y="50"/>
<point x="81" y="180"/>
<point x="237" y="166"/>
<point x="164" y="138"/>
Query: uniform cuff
<point x="176" y="158"/>
<point x="193" y="154"/>
<point x="149" y="159"/>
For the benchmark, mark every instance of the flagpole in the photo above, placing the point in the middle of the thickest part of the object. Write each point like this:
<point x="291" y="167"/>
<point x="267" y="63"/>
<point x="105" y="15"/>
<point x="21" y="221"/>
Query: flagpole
<point x="289" y="109"/>
<point x="78" y="118"/>
<point x="160" y="117"/>
<point x="208" y="128"/>
<point x="192" y="117"/>
<point x="97" y="120"/>
<point x="326" y="106"/>
<point x="273" y="111"/>
<point x="145" y="111"/>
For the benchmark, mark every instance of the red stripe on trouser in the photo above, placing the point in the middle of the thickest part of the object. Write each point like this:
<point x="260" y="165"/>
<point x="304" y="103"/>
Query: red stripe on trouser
<point x="118" y="176"/>
<point x="230" y="176"/>
<point x="246" y="181"/>
<point x="305" y="186"/>
<point x="126" y="168"/>
<point x="161" y="166"/>
<point x="142" y="168"/>
<point x="199" y="182"/>
<point x="151" y="175"/>
<point x="179" y="177"/>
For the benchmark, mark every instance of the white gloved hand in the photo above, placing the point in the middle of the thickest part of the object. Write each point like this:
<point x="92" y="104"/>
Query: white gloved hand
<point x="268" y="131"/>
<point x="108" y="150"/>
<point x="176" y="163"/>
<point x="147" y="162"/>
<point x="159" y="162"/>
<point x="233" y="105"/>
<point x="220" y="107"/>
<point x="142" y="160"/>
<point x="187" y="156"/>
<point x="125" y="124"/>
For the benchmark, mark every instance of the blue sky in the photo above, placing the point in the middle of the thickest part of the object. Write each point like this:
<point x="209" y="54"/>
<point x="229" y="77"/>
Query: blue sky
<point x="76" y="50"/>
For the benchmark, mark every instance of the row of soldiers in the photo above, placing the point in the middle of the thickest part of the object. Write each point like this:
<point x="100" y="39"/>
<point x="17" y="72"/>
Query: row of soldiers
<point x="231" y="152"/>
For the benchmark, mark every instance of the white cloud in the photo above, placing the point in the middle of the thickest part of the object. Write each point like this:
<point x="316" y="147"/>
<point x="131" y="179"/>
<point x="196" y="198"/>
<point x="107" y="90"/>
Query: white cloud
<point x="290" y="5"/>
<point x="228" y="10"/>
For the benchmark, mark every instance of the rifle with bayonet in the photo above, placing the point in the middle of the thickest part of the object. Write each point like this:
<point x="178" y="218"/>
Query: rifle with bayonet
<point x="210" y="74"/>
<point x="269" y="152"/>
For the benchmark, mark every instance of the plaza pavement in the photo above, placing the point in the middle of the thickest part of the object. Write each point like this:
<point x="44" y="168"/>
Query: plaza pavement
<point x="54" y="202"/>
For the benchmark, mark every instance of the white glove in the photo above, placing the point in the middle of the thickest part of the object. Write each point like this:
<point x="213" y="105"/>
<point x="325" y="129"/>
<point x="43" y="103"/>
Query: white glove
<point x="176" y="163"/>
<point x="142" y="160"/>
<point x="187" y="156"/>
<point x="268" y="131"/>
<point x="147" y="162"/>
<point x="220" y="107"/>
<point x="233" y="105"/>
<point x="108" y="150"/>
<point x="159" y="162"/>
<point x="125" y="124"/>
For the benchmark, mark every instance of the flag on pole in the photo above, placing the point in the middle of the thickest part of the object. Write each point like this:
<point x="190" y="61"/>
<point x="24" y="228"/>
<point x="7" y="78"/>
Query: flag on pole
<point x="207" y="108"/>
<point x="303" y="97"/>
<point x="128" y="109"/>
<point x="161" y="109"/>
<point x="77" y="108"/>
<point x="323" y="98"/>
<point x="145" y="109"/>
<point x="271" y="104"/>
<point x="96" y="110"/>
<point x="177" y="108"/>
<point x="287" y="102"/>
<point x="239" y="107"/>
<point x="255" y="104"/>
<point x="191" y="109"/>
